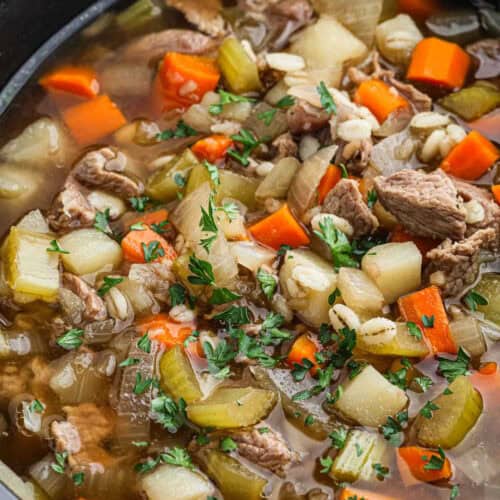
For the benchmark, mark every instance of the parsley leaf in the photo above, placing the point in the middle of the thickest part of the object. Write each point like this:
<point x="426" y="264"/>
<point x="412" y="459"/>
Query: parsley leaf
<point x="78" y="478"/>
<point x="141" y="384"/>
<point x="428" y="321"/>
<point x="299" y="371"/>
<point x="129" y="362"/>
<point x="283" y="249"/>
<point x="381" y="470"/>
<point x="234" y="315"/>
<point x="272" y="320"/>
<point x="397" y="378"/>
<point x="146" y="466"/>
<point x="333" y="296"/>
<point x="168" y="413"/>
<point x="344" y="172"/>
<point x="392" y="429"/>
<point x="144" y="343"/>
<point x="267" y="283"/>
<point x="72" y="339"/>
<point x="230" y="209"/>
<point x="326" y="99"/>
<point x="56" y="248"/>
<point x="338" y="437"/>
<point x="181" y="130"/>
<point x="223" y="296"/>
<point x="159" y="227"/>
<point x="227" y="445"/>
<point x="180" y="180"/>
<point x="213" y="172"/>
<point x="249" y="143"/>
<point x="60" y="464"/>
<point x="414" y="330"/>
<point x="219" y="358"/>
<point x="450" y="369"/>
<point x="227" y="98"/>
<point x="474" y="299"/>
<point x="427" y="409"/>
<point x="202" y="272"/>
<point x="285" y="102"/>
<point x="36" y="406"/>
<point x="195" y="334"/>
<point x="208" y="224"/>
<point x="177" y="294"/>
<point x="109" y="283"/>
<point x="372" y="198"/>
<point x="101" y="222"/>
<point x="138" y="226"/>
<point x="424" y="382"/>
<point x="435" y="462"/>
<point x="152" y="251"/>
<point x="327" y="463"/>
<point x="177" y="456"/>
<point x="139" y="203"/>
<point x="337" y="242"/>
<point x="455" y="491"/>
<point x="267" y="116"/>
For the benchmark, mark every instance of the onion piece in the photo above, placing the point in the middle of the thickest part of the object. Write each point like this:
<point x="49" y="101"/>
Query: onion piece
<point x="397" y="121"/>
<point x="277" y="182"/>
<point x="251" y="255"/>
<point x="390" y="155"/>
<point x="304" y="188"/>
<point x="50" y="481"/>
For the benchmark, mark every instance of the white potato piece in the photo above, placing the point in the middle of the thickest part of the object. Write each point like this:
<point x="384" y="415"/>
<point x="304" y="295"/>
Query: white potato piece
<point x="101" y="200"/>
<point x="307" y="281"/>
<point x="41" y="143"/>
<point x="396" y="268"/>
<point x="17" y="181"/>
<point x="325" y="47"/>
<point x="359" y="291"/>
<point x="369" y="398"/>
<point x="34" y="221"/>
<point x="89" y="251"/>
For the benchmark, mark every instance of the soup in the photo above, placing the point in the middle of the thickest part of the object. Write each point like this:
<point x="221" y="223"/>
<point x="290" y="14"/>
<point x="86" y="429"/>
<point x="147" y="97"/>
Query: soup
<point x="252" y="251"/>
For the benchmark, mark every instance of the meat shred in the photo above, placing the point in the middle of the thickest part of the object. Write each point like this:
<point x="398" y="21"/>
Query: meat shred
<point x="454" y="265"/>
<point x="425" y="204"/>
<point x="285" y="146"/>
<point x="95" y="309"/>
<point x="345" y="200"/>
<point x="204" y="15"/>
<point x="302" y="117"/>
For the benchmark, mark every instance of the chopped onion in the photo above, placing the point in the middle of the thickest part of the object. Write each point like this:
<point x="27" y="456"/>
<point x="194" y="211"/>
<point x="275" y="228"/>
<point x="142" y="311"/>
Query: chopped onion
<point x="34" y="221"/>
<point x="50" y="481"/>
<point x="277" y="182"/>
<point x="396" y="122"/>
<point x="304" y="188"/>
<point x="251" y="255"/>
<point x="466" y="332"/>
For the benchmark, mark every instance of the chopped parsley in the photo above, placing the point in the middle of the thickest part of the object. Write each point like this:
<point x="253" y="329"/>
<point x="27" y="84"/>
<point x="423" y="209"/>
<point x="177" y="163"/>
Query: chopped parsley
<point x="152" y="250"/>
<point x="327" y="463"/>
<point x="144" y="343"/>
<point x="326" y="99"/>
<point x="72" y="339"/>
<point x="60" y="465"/>
<point x="101" y="222"/>
<point x="195" y="335"/>
<point x="300" y="371"/>
<point x="285" y="102"/>
<point x="181" y="130"/>
<point x="227" y="98"/>
<point x="455" y="491"/>
<point x="56" y="248"/>
<point x="202" y="272"/>
<point x="428" y="321"/>
<point x="234" y="315"/>
<point x="398" y="378"/>
<point x="177" y="294"/>
<point x="338" y="437"/>
<point x="249" y="143"/>
<point x="227" y="445"/>
<point x="213" y="172"/>
<point x="36" y="406"/>
<point x="435" y="462"/>
<point x="359" y="450"/>
<point x="230" y="209"/>
<point x="423" y="382"/>
<point x="474" y="299"/>
<point x="450" y="369"/>
<point x="219" y="358"/>
<point x="263" y="430"/>
<point x="147" y="465"/>
<point x="129" y="362"/>
<point x="333" y="296"/>
<point x="177" y="456"/>
<point x="267" y="283"/>
<point x="343" y="171"/>
<point x="180" y="180"/>
<point x="168" y="413"/>
<point x="309" y="420"/>
<point x="109" y="283"/>
<point x="338" y="244"/>
<point x="208" y="224"/>
<point x="139" y="203"/>
<point x="267" y="116"/>
<point x="372" y="198"/>
<point x="78" y="478"/>
<point x="140" y="444"/>
<point x="223" y="296"/>
<point x="427" y="409"/>
<point x="283" y="249"/>
<point x="381" y="470"/>
<point x="392" y="429"/>
<point x="141" y="384"/>
<point x="414" y="330"/>
<point x="159" y="227"/>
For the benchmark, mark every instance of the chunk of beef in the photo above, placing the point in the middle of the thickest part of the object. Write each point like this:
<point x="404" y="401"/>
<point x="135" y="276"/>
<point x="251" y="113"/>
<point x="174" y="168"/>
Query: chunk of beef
<point x="70" y="210"/>
<point x="285" y="146"/>
<point x="268" y="449"/>
<point x="94" y="423"/>
<point x="454" y="265"/>
<point x="153" y="46"/>
<point x="425" y="204"/>
<point x="346" y="201"/>
<point x="487" y="51"/>
<point x="155" y="276"/>
<point x="469" y="192"/>
<point x="95" y="309"/>
<point x="66" y="437"/>
<point x="103" y="168"/>
<point x="13" y="380"/>
<point x="302" y="117"/>
<point x="296" y="10"/>
<point x="206" y="15"/>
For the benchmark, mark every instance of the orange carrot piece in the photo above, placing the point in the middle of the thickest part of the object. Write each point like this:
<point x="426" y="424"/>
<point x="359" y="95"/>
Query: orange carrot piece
<point x="419" y="9"/>
<point x="379" y="98"/>
<point x="471" y="158"/>
<point x="428" y="302"/>
<point x="351" y="493"/>
<point x="303" y="348"/>
<point x="150" y="218"/>
<point x="161" y="102"/>
<point x="495" y="189"/>
<point x="212" y="148"/>
<point x="332" y="175"/>
<point x="162" y="328"/>
<point x="133" y="246"/>
<point x="280" y="228"/>
<point x="399" y="235"/>
<point x="412" y="461"/>
<point x="93" y="120"/>
<point x="488" y="368"/>
<point x="75" y="80"/>
<point x="438" y="62"/>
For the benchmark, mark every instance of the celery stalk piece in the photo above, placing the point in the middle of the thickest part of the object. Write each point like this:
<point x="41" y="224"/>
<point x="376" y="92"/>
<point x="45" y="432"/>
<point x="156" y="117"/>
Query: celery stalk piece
<point x="457" y="414"/>
<point x="240" y="72"/>
<point x="489" y="288"/>
<point x="351" y="459"/>
<point x="402" y="344"/>
<point x="198" y="175"/>
<point x="29" y="268"/>
<point x="232" y="407"/>
<point x="169" y="180"/>
<point x="178" y="377"/>
<point x="137" y="14"/>
<point x="472" y="102"/>
<point x="235" y="481"/>
<point x="466" y="332"/>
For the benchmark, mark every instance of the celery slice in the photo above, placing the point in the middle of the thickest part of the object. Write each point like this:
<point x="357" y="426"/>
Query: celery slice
<point x="240" y="72"/>
<point x="29" y="268"/>
<point x="178" y="377"/>
<point x="137" y="14"/>
<point x="457" y="414"/>
<point x="466" y="332"/>
<point x="198" y="175"/>
<point x="232" y="407"/>
<point x="235" y="481"/>
<point x="350" y="461"/>
<point x="489" y="288"/>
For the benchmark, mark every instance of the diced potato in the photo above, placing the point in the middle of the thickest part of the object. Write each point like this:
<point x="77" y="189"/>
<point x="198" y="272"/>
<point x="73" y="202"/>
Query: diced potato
<point x="358" y="291"/>
<point x="34" y="221"/>
<point x="17" y="181"/>
<point x="29" y="268"/>
<point x="235" y="481"/>
<point x="370" y="398"/>
<point x="101" y="201"/>
<point x="456" y="416"/>
<point x="466" y="332"/>
<point x="41" y="143"/>
<point x="277" y="182"/>
<point x="323" y="63"/>
<point x="403" y="344"/>
<point x="352" y="457"/>
<point x="178" y="377"/>
<point x="169" y="482"/>
<point x="307" y="281"/>
<point x="396" y="268"/>
<point x="89" y="251"/>
<point x="232" y="407"/>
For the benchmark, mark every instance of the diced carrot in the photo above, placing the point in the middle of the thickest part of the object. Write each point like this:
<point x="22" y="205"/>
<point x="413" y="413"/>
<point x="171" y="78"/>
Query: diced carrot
<point x="351" y="493"/>
<point x="399" y="235"/>
<point x="419" y="9"/>
<point x="428" y="302"/>
<point x="150" y="218"/>
<point x="488" y="368"/>
<point x="93" y="120"/>
<point x="280" y="228"/>
<point x="303" y="348"/>
<point x="184" y="79"/>
<point x="471" y="157"/>
<point x="332" y="175"/>
<point x="161" y="102"/>
<point x="495" y="189"/>
<point x="212" y="148"/>
<point x="438" y="62"/>
<point x="412" y="462"/>
<point x="379" y="98"/>
<point x="162" y="328"/>
<point x="75" y="80"/>
<point x="134" y="242"/>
